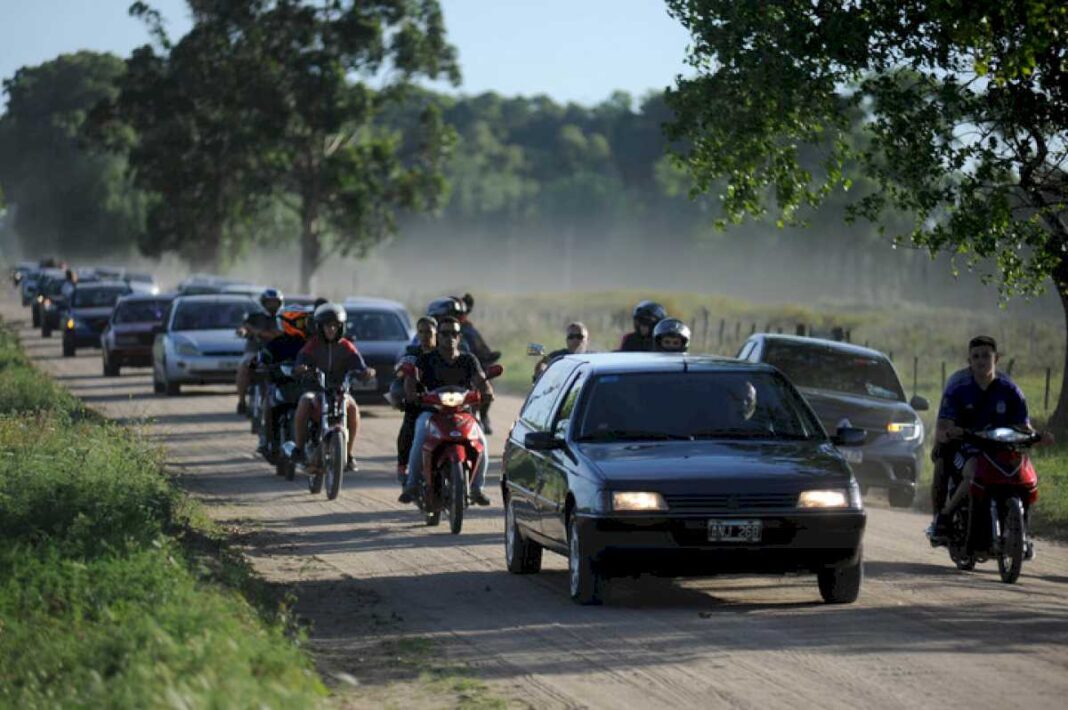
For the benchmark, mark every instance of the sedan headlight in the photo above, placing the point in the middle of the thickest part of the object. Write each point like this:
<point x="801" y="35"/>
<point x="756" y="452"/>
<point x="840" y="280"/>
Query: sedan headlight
<point x="638" y="501"/>
<point x="186" y="348"/>
<point x="905" y="431"/>
<point x="823" y="499"/>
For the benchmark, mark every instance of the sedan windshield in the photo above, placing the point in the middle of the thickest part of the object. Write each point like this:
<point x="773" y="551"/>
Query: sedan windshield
<point x="376" y="325"/>
<point x="140" y="312"/>
<point x="97" y="297"/>
<point x="211" y="316"/>
<point x="837" y="370"/>
<point x="695" y="405"/>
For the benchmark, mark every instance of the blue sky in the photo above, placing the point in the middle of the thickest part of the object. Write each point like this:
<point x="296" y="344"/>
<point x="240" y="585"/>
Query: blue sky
<point x="577" y="50"/>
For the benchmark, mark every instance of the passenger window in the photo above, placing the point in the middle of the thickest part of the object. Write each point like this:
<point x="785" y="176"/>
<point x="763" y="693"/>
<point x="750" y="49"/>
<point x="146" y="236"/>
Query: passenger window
<point x="563" y="417"/>
<point x="746" y="351"/>
<point x="538" y="410"/>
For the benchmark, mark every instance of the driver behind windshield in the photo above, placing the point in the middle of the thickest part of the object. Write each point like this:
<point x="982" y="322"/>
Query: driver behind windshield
<point x="445" y="366"/>
<point x="975" y="398"/>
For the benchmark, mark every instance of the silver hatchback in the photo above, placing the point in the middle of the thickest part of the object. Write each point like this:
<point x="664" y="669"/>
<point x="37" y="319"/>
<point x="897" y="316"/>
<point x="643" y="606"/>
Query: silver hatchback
<point x="198" y="342"/>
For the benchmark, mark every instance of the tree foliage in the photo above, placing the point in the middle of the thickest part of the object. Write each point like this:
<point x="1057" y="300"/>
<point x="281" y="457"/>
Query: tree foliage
<point x="67" y="197"/>
<point x="964" y="121"/>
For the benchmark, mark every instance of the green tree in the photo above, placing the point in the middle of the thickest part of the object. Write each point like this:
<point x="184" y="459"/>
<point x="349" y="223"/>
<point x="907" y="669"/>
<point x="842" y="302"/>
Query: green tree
<point x="964" y="132"/>
<point x="69" y="199"/>
<point x="326" y="144"/>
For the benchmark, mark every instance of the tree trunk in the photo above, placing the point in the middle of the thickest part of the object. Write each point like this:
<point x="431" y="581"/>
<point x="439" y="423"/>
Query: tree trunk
<point x="1058" y="423"/>
<point x="311" y="247"/>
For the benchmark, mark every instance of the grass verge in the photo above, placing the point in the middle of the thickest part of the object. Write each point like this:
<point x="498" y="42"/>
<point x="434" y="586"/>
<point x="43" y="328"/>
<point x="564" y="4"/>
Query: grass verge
<point x="113" y="591"/>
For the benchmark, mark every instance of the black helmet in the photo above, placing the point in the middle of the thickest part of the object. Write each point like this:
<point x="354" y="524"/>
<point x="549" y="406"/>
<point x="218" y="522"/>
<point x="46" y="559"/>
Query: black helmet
<point x="671" y="326"/>
<point x="650" y="312"/>
<point x="443" y="307"/>
<point x="272" y="294"/>
<point x="330" y="313"/>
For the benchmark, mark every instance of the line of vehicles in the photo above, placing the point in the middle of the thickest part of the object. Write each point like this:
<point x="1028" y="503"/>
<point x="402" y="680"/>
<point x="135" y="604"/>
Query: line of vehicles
<point x="672" y="464"/>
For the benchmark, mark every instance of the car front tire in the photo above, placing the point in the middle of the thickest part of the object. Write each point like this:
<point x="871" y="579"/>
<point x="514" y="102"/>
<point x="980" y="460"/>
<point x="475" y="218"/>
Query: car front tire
<point x="522" y="556"/>
<point x="841" y="585"/>
<point x="585" y="582"/>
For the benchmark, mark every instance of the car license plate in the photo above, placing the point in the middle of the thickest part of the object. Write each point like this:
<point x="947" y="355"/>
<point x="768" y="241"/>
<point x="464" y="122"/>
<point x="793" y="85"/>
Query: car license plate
<point x="853" y="455"/>
<point x="735" y="530"/>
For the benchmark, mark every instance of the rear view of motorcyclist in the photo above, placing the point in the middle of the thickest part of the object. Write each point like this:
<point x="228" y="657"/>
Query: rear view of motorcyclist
<point x="645" y="315"/>
<point x="446" y="366"/>
<point x="671" y="335"/>
<point x="427" y="337"/>
<point x="329" y="352"/>
<point x="258" y="330"/>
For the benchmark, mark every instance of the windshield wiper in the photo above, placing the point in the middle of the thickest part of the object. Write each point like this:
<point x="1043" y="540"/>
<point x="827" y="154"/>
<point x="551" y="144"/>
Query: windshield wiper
<point x="737" y="434"/>
<point x="633" y="435"/>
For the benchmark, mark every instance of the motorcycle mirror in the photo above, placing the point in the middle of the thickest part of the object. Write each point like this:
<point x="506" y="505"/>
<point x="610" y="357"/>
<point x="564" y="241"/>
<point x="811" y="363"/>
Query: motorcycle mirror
<point x="849" y="436"/>
<point x="920" y="404"/>
<point x="536" y="350"/>
<point x="494" y="371"/>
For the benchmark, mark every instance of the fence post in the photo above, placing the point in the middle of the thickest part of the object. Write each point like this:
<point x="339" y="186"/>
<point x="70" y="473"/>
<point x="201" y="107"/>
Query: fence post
<point x="1046" y="400"/>
<point x="943" y="375"/>
<point x="915" y="375"/>
<point x="737" y="330"/>
<point x="722" y="325"/>
<point x="799" y="329"/>
<point x="753" y="328"/>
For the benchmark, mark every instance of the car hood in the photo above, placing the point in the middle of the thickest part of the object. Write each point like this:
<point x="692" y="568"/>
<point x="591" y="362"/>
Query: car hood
<point x="702" y="466"/>
<point x="382" y="349"/>
<point x="212" y="340"/>
<point x="863" y="412"/>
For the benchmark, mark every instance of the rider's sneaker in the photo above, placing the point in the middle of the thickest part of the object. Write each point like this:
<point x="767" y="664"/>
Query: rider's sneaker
<point x="1029" y="550"/>
<point x="938" y="531"/>
<point x="402" y="473"/>
<point x="478" y="497"/>
<point x="350" y="465"/>
<point x="297" y="456"/>
<point x="242" y="407"/>
<point x="405" y="497"/>
<point x="262" y="450"/>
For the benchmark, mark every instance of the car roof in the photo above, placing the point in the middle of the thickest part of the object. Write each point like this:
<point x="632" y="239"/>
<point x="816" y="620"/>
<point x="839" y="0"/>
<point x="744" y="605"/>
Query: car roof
<point x="102" y="284"/>
<point x="619" y="363"/>
<point x="141" y="296"/>
<point x="215" y="298"/>
<point x="371" y="302"/>
<point x="849" y="348"/>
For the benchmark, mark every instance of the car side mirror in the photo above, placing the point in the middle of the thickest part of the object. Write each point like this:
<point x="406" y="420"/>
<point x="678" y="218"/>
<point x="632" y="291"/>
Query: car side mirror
<point x="536" y="350"/>
<point x="920" y="404"/>
<point x="542" y="441"/>
<point x="849" y="436"/>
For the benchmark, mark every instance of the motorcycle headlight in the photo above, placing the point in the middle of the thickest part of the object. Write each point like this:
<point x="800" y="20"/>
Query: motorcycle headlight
<point x="71" y="324"/>
<point x="186" y="348"/>
<point x="823" y="499"/>
<point x="905" y="431"/>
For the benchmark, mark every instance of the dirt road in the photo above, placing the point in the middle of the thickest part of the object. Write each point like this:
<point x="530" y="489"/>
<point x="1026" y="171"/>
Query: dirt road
<point x="370" y="576"/>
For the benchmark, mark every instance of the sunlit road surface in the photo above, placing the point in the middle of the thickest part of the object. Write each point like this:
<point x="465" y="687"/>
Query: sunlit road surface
<point x="365" y="570"/>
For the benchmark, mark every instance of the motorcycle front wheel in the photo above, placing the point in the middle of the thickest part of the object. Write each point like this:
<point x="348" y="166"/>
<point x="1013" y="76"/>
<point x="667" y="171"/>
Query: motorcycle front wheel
<point x="1010" y="561"/>
<point x="456" y="496"/>
<point x="334" y="463"/>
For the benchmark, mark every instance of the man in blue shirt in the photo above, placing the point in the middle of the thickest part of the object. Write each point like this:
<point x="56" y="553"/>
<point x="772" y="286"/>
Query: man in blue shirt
<point x="975" y="398"/>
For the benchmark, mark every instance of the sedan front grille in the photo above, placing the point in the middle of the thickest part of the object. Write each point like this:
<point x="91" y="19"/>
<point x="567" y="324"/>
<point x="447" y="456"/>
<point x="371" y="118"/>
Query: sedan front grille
<point x="730" y="502"/>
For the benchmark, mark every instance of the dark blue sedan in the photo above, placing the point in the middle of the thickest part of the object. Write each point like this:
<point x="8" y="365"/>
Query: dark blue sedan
<point x="676" y="466"/>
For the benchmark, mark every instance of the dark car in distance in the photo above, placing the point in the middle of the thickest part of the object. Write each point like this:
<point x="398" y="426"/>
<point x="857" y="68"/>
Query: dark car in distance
<point x="127" y="339"/>
<point x="381" y="329"/>
<point x="678" y="465"/>
<point x="859" y="386"/>
<point x="88" y="312"/>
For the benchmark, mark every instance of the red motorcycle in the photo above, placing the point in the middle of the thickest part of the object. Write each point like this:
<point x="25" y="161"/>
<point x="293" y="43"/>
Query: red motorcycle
<point x="451" y="453"/>
<point x="993" y="521"/>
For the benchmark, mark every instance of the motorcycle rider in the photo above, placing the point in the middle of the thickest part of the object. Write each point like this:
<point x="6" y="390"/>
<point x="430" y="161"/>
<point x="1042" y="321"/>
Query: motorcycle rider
<point x="426" y="334"/>
<point x="445" y="366"/>
<point x="976" y="398"/>
<point x="258" y="331"/>
<point x="471" y="340"/>
<point x="671" y="335"/>
<point x="285" y="348"/>
<point x="578" y="341"/>
<point x="646" y="315"/>
<point x="329" y="352"/>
